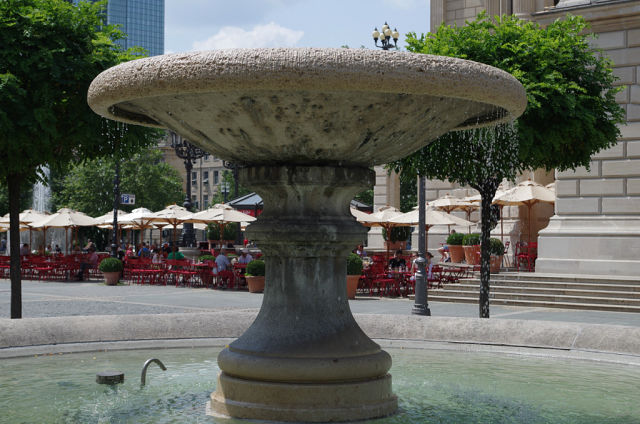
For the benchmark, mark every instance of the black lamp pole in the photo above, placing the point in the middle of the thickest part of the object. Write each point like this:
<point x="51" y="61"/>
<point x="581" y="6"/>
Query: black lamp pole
<point x="234" y="170"/>
<point x="189" y="154"/>
<point x="421" y="300"/>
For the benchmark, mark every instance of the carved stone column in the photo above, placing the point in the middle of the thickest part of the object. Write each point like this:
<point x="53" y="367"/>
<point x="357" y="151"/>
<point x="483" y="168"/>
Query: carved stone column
<point x="305" y="358"/>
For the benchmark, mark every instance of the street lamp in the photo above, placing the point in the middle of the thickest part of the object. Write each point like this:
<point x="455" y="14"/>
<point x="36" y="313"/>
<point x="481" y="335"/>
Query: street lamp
<point x="421" y="303"/>
<point x="189" y="154"/>
<point x="385" y="36"/>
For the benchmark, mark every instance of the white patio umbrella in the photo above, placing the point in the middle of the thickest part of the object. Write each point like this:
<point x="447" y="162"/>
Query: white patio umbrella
<point x="25" y="218"/>
<point x="220" y="213"/>
<point x="432" y="217"/>
<point x="526" y="193"/>
<point x="171" y="215"/>
<point x="65" y="218"/>
<point x="139" y="219"/>
<point x="381" y="218"/>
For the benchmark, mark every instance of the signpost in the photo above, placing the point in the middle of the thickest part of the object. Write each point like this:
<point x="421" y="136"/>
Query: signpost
<point x="127" y="199"/>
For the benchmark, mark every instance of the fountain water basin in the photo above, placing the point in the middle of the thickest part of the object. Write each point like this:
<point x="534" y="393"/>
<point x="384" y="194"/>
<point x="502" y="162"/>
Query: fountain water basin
<point x="306" y="124"/>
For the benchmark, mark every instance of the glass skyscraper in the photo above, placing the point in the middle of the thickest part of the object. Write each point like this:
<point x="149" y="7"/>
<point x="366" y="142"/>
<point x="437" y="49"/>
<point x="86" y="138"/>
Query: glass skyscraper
<point x="141" y="20"/>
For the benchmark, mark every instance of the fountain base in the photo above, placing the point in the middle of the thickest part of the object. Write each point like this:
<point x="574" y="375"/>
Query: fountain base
<point x="303" y="402"/>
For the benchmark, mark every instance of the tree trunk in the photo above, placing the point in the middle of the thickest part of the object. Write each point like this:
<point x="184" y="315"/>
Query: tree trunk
<point x="13" y="183"/>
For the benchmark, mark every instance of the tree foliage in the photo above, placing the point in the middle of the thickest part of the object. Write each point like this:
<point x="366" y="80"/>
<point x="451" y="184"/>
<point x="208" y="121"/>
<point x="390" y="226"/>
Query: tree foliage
<point x="88" y="186"/>
<point x="50" y="51"/>
<point x="571" y="112"/>
<point x="227" y="178"/>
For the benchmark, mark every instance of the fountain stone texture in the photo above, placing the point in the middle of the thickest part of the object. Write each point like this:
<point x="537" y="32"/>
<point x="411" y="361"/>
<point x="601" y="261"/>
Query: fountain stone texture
<point x="307" y="124"/>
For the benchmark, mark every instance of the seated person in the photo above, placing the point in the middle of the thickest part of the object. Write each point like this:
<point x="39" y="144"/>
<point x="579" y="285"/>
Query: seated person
<point x="144" y="251"/>
<point x="397" y="260"/>
<point x="360" y="251"/>
<point x="176" y="254"/>
<point x="245" y="257"/>
<point x="222" y="262"/>
<point x="90" y="261"/>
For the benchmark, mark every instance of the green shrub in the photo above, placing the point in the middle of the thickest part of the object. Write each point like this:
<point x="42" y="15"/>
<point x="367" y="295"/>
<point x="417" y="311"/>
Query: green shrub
<point x="397" y="234"/>
<point x="213" y="231"/>
<point x="455" y="239"/>
<point x="110" y="265"/>
<point x="354" y="264"/>
<point x="255" y="268"/>
<point x="496" y="248"/>
<point x="472" y="239"/>
<point x="206" y="258"/>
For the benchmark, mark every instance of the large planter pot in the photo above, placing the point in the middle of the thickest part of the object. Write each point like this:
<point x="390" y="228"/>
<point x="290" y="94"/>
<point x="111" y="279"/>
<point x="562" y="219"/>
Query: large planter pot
<point x="255" y="283"/>
<point x="472" y="254"/>
<point x="495" y="264"/>
<point x="352" y="285"/>
<point x="456" y="252"/>
<point x="111" y="278"/>
<point x="396" y="245"/>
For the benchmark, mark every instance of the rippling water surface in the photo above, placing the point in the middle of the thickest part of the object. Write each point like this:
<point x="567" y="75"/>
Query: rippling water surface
<point x="434" y="386"/>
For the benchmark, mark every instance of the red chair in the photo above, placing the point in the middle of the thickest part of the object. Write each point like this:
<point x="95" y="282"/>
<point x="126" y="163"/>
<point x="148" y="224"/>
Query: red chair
<point x="526" y="255"/>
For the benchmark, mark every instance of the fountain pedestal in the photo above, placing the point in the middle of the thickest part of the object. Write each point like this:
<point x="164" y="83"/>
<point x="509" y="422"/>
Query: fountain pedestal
<point x="307" y="123"/>
<point x="305" y="358"/>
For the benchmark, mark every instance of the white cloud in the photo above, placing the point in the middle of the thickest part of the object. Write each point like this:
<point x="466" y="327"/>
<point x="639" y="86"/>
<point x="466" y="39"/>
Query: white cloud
<point x="269" y="35"/>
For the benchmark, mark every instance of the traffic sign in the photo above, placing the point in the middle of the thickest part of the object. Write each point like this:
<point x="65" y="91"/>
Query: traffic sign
<point x="127" y="199"/>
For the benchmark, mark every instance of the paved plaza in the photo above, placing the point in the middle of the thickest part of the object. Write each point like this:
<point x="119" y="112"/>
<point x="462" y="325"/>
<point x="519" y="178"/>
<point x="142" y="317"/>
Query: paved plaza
<point x="59" y="299"/>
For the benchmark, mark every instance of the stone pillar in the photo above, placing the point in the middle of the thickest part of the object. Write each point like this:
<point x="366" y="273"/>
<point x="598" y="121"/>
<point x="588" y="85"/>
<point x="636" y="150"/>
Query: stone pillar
<point x="305" y="358"/>
<point x="437" y="14"/>
<point x="524" y="8"/>
<point x="386" y="192"/>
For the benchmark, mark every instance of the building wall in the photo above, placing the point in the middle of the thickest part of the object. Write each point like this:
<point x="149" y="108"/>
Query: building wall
<point x="595" y="227"/>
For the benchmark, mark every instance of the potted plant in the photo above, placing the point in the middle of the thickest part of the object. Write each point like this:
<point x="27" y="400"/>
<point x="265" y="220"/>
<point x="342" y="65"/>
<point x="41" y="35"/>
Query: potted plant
<point x="111" y="269"/>
<point x="497" y="251"/>
<point x="471" y="244"/>
<point x="397" y="237"/>
<point x="254" y="275"/>
<point x="354" y="271"/>
<point x="454" y="242"/>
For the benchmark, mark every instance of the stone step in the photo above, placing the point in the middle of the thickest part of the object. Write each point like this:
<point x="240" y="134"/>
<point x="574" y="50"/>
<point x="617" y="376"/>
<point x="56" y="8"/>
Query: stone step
<point x="551" y="298"/>
<point x="550" y="290"/>
<point x="538" y="304"/>
<point x="566" y="278"/>
<point x="509" y="285"/>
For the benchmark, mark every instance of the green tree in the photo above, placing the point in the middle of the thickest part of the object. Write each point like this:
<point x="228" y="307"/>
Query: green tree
<point x="88" y="186"/>
<point x="571" y="112"/>
<point x="227" y="178"/>
<point x="50" y="52"/>
<point x="26" y="199"/>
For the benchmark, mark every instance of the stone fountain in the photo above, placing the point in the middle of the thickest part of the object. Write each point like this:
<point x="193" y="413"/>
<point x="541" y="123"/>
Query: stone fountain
<point x="307" y="125"/>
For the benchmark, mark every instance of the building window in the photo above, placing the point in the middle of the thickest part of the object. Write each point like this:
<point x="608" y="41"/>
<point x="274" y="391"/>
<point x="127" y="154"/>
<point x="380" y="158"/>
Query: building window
<point x="194" y="178"/>
<point x="205" y="177"/>
<point x="215" y="177"/>
<point x="205" y="200"/>
<point x="194" y="201"/>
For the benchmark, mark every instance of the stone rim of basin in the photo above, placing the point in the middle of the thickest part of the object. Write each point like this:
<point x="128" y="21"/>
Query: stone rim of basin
<point x="168" y="91"/>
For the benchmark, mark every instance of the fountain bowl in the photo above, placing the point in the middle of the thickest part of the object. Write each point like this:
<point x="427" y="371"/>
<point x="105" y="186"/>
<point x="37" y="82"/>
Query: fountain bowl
<point x="307" y="105"/>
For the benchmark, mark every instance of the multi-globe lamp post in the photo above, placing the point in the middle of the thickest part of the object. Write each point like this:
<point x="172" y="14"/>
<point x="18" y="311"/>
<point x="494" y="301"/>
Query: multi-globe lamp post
<point x="385" y="36"/>
<point x="421" y="304"/>
<point x="189" y="154"/>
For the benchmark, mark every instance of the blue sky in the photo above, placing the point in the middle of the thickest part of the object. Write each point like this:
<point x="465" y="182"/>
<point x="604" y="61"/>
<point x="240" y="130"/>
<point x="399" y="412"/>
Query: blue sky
<point x="209" y="24"/>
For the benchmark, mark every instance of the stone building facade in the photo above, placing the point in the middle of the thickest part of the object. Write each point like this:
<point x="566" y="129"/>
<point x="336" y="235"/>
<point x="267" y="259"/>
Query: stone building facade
<point x="595" y="226"/>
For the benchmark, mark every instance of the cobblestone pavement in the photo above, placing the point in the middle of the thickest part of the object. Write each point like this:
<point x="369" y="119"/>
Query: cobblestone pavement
<point x="52" y="299"/>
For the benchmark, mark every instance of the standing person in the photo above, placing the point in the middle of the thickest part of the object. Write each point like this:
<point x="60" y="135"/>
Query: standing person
<point x="89" y="245"/>
<point x="89" y="262"/>
<point x="3" y="246"/>
<point x="245" y="257"/>
<point x="222" y="262"/>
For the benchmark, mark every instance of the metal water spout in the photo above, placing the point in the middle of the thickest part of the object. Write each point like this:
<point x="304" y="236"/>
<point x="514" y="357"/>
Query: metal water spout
<point x="143" y="376"/>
